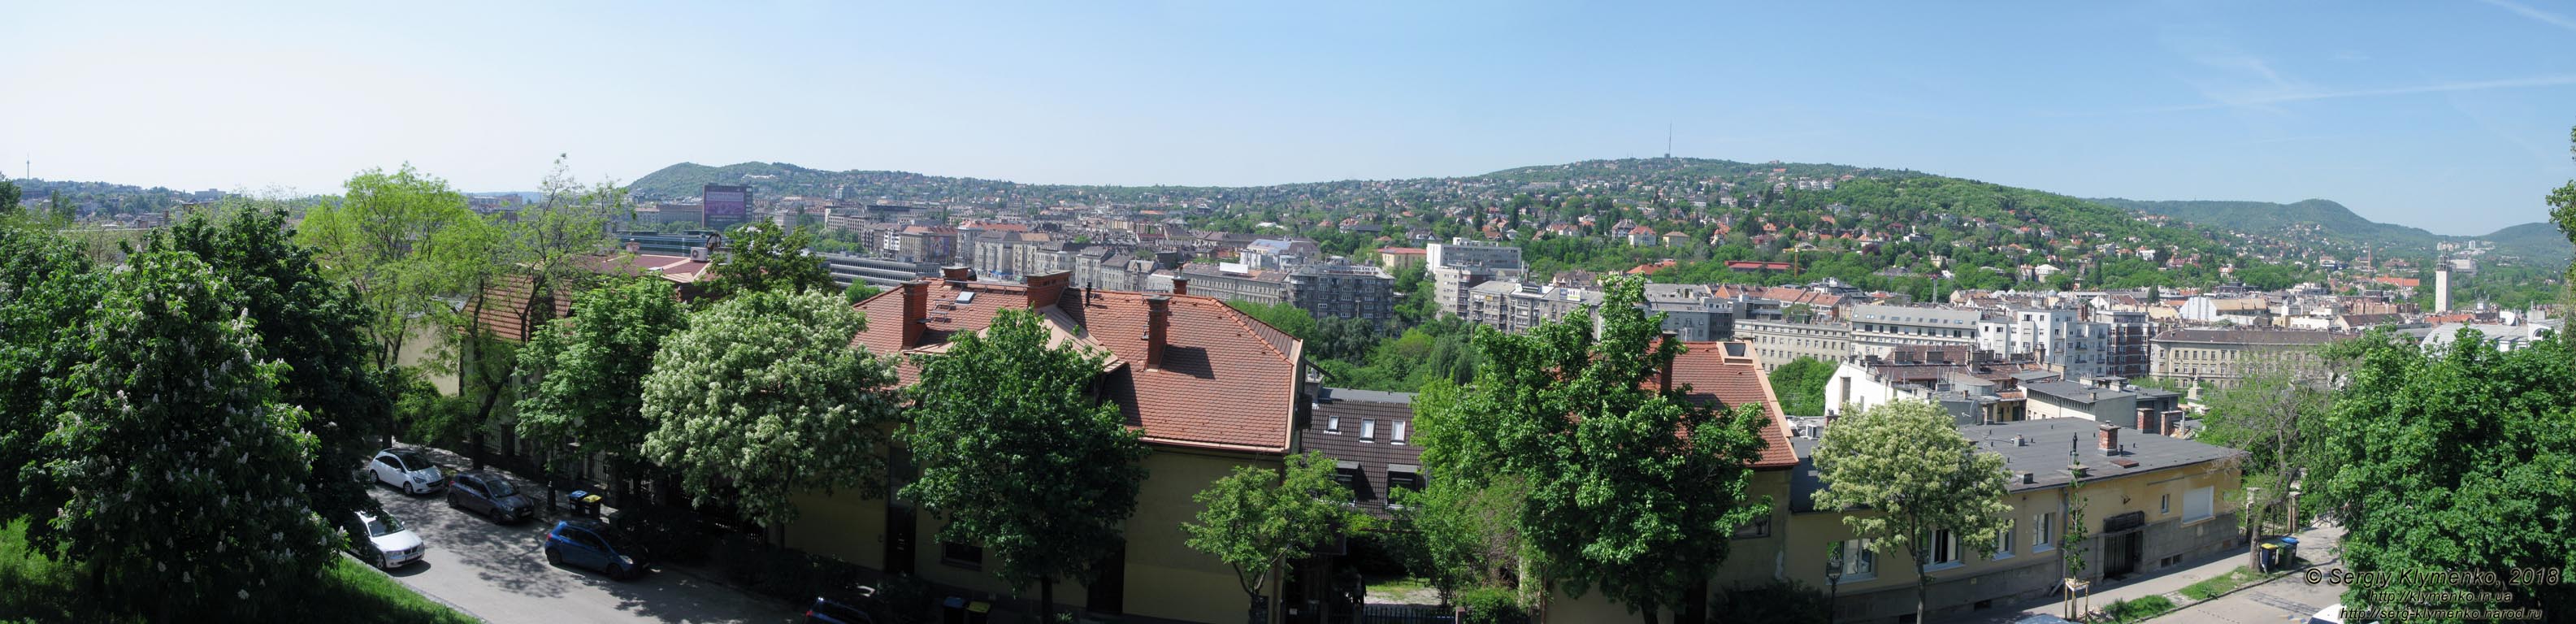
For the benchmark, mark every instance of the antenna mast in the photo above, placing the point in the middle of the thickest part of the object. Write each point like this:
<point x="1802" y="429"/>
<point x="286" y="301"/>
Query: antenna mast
<point x="1668" y="140"/>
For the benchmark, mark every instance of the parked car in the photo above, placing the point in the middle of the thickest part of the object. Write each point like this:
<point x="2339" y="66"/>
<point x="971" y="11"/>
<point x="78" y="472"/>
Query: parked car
<point x="392" y="545"/>
<point x="595" y="545"/>
<point x="828" y="611"/>
<point x="407" y="470"/>
<point x="491" y="495"/>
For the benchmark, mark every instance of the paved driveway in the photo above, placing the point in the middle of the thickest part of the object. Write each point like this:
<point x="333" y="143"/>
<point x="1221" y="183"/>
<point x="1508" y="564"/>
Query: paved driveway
<point x="496" y="572"/>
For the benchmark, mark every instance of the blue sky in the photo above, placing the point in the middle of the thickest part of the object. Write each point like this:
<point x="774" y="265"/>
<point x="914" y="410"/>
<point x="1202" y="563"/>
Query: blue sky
<point x="2451" y="116"/>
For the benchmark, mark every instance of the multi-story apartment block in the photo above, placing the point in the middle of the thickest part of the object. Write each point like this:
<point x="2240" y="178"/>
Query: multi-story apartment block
<point x="1458" y="266"/>
<point x="1692" y="311"/>
<point x="1517" y="307"/>
<point x="2222" y="356"/>
<point x="1227" y="281"/>
<point x="1778" y="342"/>
<point x="1343" y="291"/>
<point x="1877" y="329"/>
<point x="2125" y="350"/>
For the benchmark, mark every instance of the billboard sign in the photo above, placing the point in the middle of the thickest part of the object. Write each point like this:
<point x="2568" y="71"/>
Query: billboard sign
<point x="726" y="206"/>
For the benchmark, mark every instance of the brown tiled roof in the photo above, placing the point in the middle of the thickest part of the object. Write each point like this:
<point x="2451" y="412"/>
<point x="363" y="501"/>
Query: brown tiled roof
<point x="1226" y="380"/>
<point x="503" y="308"/>
<point x="1713" y="377"/>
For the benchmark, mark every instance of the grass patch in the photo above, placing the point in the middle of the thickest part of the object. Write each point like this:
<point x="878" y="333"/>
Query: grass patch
<point x="2138" y="609"/>
<point x="2214" y="586"/>
<point x="38" y="589"/>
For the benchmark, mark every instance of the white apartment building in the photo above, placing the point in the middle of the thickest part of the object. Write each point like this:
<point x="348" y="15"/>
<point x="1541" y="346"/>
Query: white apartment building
<point x="1878" y="328"/>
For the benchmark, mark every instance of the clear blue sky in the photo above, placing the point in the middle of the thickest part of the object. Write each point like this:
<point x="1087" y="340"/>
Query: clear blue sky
<point x="2452" y="116"/>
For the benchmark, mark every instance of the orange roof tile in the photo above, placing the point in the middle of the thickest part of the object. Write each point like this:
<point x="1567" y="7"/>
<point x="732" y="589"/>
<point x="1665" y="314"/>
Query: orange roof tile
<point x="1713" y="377"/>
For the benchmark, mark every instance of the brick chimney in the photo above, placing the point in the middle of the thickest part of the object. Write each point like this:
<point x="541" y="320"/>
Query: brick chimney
<point x="2110" y="438"/>
<point x="1180" y="285"/>
<point x="916" y="308"/>
<point x="1044" y="290"/>
<point x="2172" y="422"/>
<point x="1158" y="313"/>
<point x="2147" y="421"/>
<point x="1664" y="377"/>
<point x="957" y="273"/>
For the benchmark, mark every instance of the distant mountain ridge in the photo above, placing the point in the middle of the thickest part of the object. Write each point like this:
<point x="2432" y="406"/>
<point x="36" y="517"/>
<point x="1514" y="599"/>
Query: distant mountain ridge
<point x="2538" y="240"/>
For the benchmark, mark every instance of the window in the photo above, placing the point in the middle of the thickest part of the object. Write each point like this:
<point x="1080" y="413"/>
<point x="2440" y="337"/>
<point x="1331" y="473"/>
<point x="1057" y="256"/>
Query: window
<point x="1405" y="476"/>
<point x="2164" y="503"/>
<point x="1945" y="547"/>
<point x="1368" y="430"/>
<point x="961" y="555"/>
<point x="2004" y="545"/>
<point x="2198" y="504"/>
<point x="1757" y="529"/>
<point x="1857" y="562"/>
<point x="2042" y="540"/>
<point x="1398" y="436"/>
<point x="1333" y="424"/>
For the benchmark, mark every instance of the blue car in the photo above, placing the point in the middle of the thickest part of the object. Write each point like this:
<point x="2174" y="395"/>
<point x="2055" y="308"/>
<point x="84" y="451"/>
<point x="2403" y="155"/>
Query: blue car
<point x="597" y="546"/>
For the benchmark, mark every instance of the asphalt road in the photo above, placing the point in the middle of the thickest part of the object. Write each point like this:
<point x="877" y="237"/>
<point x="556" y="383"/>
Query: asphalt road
<point x="497" y="573"/>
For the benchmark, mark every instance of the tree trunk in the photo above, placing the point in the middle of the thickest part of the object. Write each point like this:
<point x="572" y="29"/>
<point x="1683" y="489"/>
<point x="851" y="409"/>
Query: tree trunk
<point x="1922" y="587"/>
<point x="1695" y="607"/>
<point x="1649" y="613"/>
<point x="1046" y="600"/>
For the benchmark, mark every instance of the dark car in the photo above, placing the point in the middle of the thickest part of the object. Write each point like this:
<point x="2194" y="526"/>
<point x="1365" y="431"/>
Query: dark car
<point x="597" y="546"/>
<point x="828" y="611"/>
<point x="490" y="495"/>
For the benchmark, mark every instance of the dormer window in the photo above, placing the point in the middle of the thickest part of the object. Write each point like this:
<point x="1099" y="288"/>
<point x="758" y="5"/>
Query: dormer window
<point x="1368" y="430"/>
<point x="1398" y="436"/>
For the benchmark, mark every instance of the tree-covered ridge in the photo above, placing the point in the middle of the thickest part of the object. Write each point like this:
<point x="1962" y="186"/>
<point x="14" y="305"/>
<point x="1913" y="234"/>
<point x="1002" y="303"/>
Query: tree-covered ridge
<point x="2332" y="228"/>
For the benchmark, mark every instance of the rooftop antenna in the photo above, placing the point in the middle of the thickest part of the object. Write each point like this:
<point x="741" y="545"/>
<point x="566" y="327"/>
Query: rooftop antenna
<point x="1668" y="140"/>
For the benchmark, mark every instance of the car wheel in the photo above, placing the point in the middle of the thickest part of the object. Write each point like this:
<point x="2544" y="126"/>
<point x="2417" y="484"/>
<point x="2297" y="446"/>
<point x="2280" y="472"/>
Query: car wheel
<point x="451" y="501"/>
<point x="499" y="515"/>
<point x="554" y="557"/>
<point x="380" y="559"/>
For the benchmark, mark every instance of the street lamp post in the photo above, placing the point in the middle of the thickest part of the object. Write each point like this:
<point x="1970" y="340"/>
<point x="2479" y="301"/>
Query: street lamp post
<point x="1833" y="579"/>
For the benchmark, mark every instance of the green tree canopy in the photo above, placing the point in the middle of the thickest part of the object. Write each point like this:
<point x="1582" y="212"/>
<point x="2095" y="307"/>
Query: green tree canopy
<point x="1019" y="455"/>
<point x="312" y="325"/>
<point x="1256" y="519"/>
<point x="1626" y="481"/>
<point x="403" y="241"/>
<point x="176" y="461"/>
<point x="46" y="288"/>
<point x="2456" y="460"/>
<point x="764" y="396"/>
<point x="860" y="290"/>
<point x="762" y="256"/>
<point x="1801" y="385"/>
<point x="1904" y="471"/>
<point x="589" y="371"/>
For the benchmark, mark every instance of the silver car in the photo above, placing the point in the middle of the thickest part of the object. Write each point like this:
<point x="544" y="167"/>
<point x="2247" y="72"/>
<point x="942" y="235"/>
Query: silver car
<point x="407" y="470"/>
<point x="390" y="544"/>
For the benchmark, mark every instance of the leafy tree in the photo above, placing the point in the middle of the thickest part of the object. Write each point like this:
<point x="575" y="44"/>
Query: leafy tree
<point x="63" y="209"/>
<point x="2265" y="414"/>
<point x="860" y="290"/>
<point x="2459" y="460"/>
<point x="2562" y="208"/>
<point x="1906" y="462"/>
<point x="1801" y="384"/>
<point x="1625" y="481"/>
<point x="402" y="240"/>
<point x="1462" y="529"/>
<point x="313" y="326"/>
<point x="588" y="373"/>
<point x="2071" y="540"/>
<point x="766" y="257"/>
<point x="763" y="396"/>
<point x="1256" y="520"/>
<point x="46" y="286"/>
<point x="1019" y="455"/>
<point x="9" y="196"/>
<point x="1289" y="319"/>
<point x="176" y="465"/>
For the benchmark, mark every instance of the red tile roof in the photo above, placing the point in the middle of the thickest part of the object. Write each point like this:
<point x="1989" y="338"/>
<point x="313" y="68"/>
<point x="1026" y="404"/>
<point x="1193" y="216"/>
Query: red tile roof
<point x="503" y="308"/>
<point x="1713" y="377"/>
<point x="1226" y="380"/>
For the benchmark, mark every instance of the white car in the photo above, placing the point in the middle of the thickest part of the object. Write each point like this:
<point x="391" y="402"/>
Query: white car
<point x="407" y="470"/>
<point x="394" y="545"/>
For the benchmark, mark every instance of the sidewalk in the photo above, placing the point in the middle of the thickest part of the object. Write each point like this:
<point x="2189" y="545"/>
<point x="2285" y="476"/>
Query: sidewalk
<point x="2317" y="546"/>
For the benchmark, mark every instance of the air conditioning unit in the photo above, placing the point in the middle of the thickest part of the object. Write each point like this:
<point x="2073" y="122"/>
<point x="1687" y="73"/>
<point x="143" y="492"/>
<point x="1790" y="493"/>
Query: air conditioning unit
<point x="697" y="254"/>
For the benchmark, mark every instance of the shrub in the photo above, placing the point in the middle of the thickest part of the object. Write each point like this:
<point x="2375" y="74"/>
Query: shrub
<point x="2138" y="609"/>
<point x="1775" y="601"/>
<point x="1492" y="605"/>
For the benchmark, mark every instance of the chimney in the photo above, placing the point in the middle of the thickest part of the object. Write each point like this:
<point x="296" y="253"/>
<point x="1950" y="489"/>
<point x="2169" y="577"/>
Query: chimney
<point x="1045" y="290"/>
<point x="2147" y="420"/>
<point x="916" y="310"/>
<point x="957" y="273"/>
<point x="1158" y="312"/>
<point x="2172" y="422"/>
<point x="2110" y="438"/>
<point x="1180" y="285"/>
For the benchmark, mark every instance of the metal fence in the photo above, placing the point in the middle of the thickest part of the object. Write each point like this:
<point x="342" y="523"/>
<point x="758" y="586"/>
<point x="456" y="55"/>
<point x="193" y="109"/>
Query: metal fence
<point x="1406" y="614"/>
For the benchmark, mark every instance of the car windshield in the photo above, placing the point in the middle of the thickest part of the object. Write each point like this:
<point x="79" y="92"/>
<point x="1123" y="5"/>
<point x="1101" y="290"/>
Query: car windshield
<point x="380" y="527"/>
<point x="498" y="487"/>
<point x="412" y="461"/>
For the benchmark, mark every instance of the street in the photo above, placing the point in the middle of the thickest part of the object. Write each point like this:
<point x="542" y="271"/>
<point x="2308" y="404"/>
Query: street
<point x="497" y="573"/>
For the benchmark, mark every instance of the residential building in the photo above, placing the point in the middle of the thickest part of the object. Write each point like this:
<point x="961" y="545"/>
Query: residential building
<point x="1458" y="266"/>
<point x="2221" y="356"/>
<point x="2124" y="352"/>
<point x="1339" y="290"/>
<point x="1369" y="435"/>
<point x="1396" y="259"/>
<point x="1778" y="342"/>
<point x="2150" y="502"/>
<point x="2066" y="399"/>
<point x="925" y="243"/>
<point x="1207" y="387"/>
<point x="1877" y="329"/>
<point x="1691" y="311"/>
<point x="1517" y="307"/>
<point x="1974" y="386"/>
<point x="1228" y="281"/>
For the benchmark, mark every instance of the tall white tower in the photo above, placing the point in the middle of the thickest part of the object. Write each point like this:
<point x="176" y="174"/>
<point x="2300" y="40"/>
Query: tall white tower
<point x="2442" y="288"/>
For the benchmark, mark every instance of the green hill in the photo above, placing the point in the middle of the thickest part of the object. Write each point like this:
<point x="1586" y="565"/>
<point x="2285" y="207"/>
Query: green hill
<point x="2332" y="225"/>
